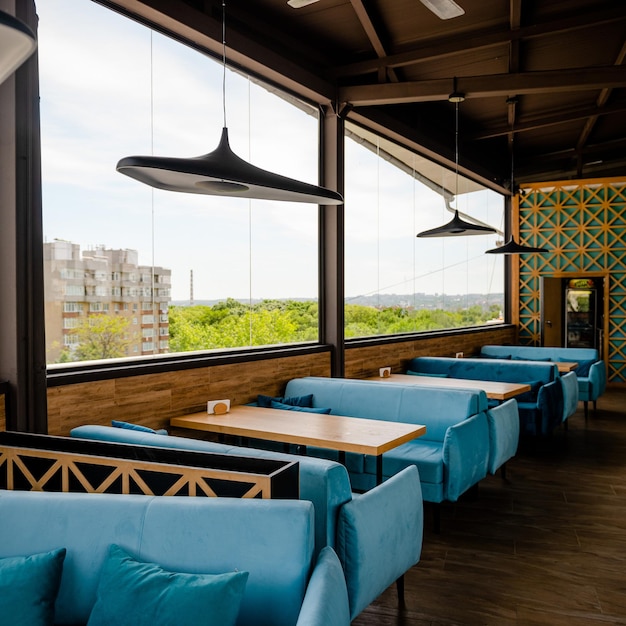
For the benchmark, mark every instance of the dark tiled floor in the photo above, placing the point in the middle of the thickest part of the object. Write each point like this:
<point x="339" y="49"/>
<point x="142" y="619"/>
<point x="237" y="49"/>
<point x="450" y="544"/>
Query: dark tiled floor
<point x="545" y="548"/>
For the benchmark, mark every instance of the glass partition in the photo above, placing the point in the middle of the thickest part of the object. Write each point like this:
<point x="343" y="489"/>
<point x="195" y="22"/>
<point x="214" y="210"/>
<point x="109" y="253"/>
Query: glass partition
<point x="132" y="271"/>
<point x="396" y="282"/>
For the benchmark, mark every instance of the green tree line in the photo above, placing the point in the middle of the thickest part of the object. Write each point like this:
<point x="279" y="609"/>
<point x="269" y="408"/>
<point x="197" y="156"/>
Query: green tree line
<point x="232" y="324"/>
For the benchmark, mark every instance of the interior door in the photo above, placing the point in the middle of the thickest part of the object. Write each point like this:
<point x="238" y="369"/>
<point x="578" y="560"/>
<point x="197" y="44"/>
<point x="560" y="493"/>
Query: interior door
<point x="551" y="311"/>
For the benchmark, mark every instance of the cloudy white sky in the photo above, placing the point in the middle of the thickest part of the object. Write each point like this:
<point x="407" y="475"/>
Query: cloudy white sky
<point x="110" y="88"/>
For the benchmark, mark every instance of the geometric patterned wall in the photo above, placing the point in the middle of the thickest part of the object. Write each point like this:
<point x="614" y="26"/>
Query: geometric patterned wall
<point x="583" y="224"/>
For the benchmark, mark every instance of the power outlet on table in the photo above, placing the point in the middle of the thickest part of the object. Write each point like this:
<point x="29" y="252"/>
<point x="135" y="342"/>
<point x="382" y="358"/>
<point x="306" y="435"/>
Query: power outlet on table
<point x="459" y="355"/>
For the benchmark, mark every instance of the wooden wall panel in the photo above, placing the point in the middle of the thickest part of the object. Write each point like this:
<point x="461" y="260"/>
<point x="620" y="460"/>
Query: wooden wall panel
<point x="363" y="362"/>
<point x="82" y="403"/>
<point x="4" y="389"/>
<point x="152" y="399"/>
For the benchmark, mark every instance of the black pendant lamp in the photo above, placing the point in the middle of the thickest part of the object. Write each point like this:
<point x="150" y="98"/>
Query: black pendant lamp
<point x="17" y="43"/>
<point x="511" y="246"/>
<point x="457" y="226"/>
<point x="222" y="172"/>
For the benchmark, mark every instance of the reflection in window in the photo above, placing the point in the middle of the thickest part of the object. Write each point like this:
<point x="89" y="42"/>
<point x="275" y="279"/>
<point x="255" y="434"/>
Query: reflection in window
<point x="208" y="272"/>
<point x="396" y="282"/>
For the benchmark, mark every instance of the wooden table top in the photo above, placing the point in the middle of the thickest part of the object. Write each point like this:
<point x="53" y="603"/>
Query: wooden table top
<point x="566" y="366"/>
<point x="495" y="390"/>
<point x="337" y="432"/>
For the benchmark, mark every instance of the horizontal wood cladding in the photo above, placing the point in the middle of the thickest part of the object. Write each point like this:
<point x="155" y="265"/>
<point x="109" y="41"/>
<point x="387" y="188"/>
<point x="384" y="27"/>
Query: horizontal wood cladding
<point x="4" y="390"/>
<point x="152" y="399"/>
<point x="364" y="361"/>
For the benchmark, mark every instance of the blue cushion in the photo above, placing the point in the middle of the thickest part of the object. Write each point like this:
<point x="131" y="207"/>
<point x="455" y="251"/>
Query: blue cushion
<point x="528" y="358"/>
<point x="530" y="396"/>
<point x="29" y="587"/>
<point x="144" y="594"/>
<point x="582" y="370"/>
<point x="426" y="455"/>
<point x="303" y="409"/>
<point x="412" y="373"/>
<point x="266" y="401"/>
<point x="143" y="429"/>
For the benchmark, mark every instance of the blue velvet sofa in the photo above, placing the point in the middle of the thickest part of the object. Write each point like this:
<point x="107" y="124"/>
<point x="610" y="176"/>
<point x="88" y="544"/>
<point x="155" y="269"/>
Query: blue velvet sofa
<point x="273" y="541"/>
<point x="540" y="410"/>
<point x="571" y="394"/>
<point x="591" y="370"/>
<point x="451" y="457"/>
<point x="375" y="550"/>
<point x="322" y="482"/>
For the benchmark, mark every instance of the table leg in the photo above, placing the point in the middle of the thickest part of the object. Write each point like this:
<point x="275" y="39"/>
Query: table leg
<point x="379" y="469"/>
<point x="341" y="457"/>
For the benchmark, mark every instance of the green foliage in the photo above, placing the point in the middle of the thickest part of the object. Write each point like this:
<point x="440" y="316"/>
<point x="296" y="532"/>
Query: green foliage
<point x="232" y="324"/>
<point x="101" y="336"/>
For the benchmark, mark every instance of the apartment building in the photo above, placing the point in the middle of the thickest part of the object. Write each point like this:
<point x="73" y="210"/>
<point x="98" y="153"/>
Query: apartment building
<point x="82" y="287"/>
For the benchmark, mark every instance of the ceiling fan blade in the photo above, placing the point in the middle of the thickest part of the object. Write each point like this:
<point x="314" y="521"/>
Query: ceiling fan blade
<point x="298" y="4"/>
<point x="444" y="9"/>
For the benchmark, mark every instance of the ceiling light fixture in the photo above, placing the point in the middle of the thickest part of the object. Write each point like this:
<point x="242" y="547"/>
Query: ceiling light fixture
<point x="511" y="246"/>
<point x="222" y="172"/>
<point x="444" y="9"/>
<point x="17" y="43"/>
<point x="457" y="226"/>
<point x="298" y="4"/>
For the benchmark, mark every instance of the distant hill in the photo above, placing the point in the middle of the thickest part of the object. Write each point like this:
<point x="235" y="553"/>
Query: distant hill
<point x="418" y="300"/>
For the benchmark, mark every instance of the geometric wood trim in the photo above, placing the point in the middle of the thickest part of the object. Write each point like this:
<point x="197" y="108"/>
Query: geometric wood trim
<point x="583" y="225"/>
<point x="19" y="471"/>
<point x="27" y="468"/>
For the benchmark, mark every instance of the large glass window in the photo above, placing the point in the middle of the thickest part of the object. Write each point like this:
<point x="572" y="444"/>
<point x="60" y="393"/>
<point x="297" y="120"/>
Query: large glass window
<point x="206" y="272"/>
<point x="396" y="282"/>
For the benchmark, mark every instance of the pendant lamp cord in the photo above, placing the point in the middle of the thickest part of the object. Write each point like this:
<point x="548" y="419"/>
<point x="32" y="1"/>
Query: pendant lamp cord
<point x="224" y="60"/>
<point x="456" y="156"/>
<point x="512" y="161"/>
<point x="512" y="174"/>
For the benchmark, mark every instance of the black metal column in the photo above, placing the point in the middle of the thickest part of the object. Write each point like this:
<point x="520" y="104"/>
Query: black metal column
<point x="22" y="335"/>
<point x="331" y="240"/>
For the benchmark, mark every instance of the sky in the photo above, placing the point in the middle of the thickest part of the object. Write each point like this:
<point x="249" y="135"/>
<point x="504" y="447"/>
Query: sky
<point x="110" y="88"/>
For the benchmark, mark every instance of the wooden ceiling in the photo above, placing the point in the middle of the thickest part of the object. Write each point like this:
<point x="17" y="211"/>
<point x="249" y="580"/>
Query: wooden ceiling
<point x="545" y="78"/>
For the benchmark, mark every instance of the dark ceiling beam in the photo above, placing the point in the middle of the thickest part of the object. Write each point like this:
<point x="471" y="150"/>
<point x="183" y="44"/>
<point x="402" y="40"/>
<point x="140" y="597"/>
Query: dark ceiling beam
<point x="533" y="122"/>
<point x="515" y="22"/>
<point x="543" y="172"/>
<point x="203" y="32"/>
<point x="603" y="97"/>
<point x="372" y="34"/>
<point x="553" y="81"/>
<point x="592" y="151"/>
<point x="476" y="41"/>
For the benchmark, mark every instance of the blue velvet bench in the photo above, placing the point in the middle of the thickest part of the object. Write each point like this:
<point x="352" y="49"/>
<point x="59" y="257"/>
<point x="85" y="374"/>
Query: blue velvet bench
<point x="226" y="560"/>
<point x="452" y="457"/>
<point x="377" y="535"/>
<point x="540" y="410"/>
<point x="590" y="372"/>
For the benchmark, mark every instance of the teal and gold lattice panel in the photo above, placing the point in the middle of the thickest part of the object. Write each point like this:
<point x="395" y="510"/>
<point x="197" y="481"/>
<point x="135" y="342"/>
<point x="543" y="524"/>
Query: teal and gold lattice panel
<point x="583" y="224"/>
